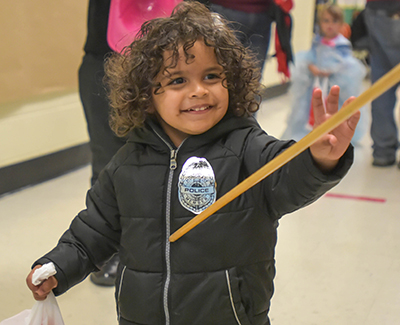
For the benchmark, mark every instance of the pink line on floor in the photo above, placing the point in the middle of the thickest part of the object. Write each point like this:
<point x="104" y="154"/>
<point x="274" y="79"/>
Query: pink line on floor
<point x="355" y="197"/>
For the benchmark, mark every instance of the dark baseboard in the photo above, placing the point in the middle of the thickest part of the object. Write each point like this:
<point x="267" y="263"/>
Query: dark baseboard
<point x="31" y="172"/>
<point x="41" y="169"/>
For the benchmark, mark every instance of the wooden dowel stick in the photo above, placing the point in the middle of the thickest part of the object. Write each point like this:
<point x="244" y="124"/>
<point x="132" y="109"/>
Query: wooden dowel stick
<point x="378" y="88"/>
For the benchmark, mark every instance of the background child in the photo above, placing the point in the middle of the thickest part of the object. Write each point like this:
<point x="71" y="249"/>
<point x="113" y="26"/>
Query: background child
<point x="329" y="62"/>
<point x="183" y="92"/>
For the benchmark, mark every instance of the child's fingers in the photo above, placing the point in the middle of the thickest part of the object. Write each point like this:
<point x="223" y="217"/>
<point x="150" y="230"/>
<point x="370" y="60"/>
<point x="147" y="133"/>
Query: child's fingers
<point x="41" y="291"/>
<point x="39" y="296"/>
<point x="318" y="106"/>
<point x="46" y="286"/>
<point x="332" y="103"/>
<point x="348" y="100"/>
<point x="352" y="121"/>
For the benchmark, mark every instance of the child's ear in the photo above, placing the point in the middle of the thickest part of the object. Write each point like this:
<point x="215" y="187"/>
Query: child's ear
<point x="151" y="109"/>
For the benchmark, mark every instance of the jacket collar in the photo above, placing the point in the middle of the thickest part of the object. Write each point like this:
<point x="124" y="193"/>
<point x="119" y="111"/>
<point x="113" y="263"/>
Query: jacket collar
<point x="152" y="133"/>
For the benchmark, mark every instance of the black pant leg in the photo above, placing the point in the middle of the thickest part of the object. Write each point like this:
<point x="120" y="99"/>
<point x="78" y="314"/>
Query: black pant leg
<point x="103" y="142"/>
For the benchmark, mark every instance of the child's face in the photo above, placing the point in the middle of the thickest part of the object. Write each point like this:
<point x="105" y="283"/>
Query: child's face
<point x="330" y="27"/>
<point x="192" y="98"/>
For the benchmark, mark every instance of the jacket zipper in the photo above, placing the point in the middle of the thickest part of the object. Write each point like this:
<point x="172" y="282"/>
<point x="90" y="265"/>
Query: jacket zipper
<point x="172" y="166"/>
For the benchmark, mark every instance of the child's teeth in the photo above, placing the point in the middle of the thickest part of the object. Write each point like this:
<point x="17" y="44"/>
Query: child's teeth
<point x="200" y="109"/>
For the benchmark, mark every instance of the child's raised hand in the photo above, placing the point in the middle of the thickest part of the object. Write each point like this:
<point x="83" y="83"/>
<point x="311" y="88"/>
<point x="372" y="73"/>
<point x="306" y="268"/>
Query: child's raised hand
<point x="41" y="291"/>
<point x="329" y="148"/>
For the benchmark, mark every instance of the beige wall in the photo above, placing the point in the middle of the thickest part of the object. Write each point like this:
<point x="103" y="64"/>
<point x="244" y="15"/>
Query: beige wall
<point x="41" y="47"/>
<point x="41" y="50"/>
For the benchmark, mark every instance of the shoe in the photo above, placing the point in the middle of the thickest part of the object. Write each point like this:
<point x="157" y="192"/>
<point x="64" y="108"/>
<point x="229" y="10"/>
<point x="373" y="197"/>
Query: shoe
<point x="383" y="162"/>
<point x="108" y="273"/>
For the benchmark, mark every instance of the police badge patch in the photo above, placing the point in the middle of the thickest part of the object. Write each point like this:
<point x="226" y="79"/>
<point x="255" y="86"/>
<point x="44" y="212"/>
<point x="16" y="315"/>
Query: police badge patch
<point x="196" y="187"/>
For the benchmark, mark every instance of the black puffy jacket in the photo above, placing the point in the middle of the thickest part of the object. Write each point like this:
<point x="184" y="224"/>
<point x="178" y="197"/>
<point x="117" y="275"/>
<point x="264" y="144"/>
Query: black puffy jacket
<point x="221" y="272"/>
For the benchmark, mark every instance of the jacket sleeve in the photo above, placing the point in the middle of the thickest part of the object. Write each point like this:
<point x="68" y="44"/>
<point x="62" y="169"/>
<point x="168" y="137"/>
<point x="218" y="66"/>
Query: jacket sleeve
<point x="91" y="240"/>
<point x="299" y="182"/>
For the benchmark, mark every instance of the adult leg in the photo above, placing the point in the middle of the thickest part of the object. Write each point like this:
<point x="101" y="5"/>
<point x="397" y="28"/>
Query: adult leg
<point x="103" y="143"/>
<point x="253" y="29"/>
<point x="383" y="124"/>
<point x="384" y="55"/>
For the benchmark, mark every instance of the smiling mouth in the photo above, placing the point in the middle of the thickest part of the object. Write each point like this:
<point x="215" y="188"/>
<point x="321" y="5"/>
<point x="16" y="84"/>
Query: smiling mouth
<point x="198" y="109"/>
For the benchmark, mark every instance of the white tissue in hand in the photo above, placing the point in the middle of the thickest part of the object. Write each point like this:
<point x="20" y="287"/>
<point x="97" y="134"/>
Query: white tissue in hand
<point x="43" y="273"/>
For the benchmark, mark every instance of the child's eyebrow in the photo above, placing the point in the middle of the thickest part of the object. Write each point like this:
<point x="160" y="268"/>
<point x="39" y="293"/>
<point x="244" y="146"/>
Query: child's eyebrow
<point x="168" y="75"/>
<point x="216" y="68"/>
<point x="171" y="74"/>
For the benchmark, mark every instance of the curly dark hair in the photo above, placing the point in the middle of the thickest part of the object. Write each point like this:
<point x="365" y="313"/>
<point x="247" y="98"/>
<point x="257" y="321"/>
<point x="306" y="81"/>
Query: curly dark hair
<point x="130" y="75"/>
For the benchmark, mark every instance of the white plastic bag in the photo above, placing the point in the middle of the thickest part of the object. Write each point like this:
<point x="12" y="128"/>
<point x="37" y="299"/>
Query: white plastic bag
<point x="18" y="319"/>
<point x="44" y="312"/>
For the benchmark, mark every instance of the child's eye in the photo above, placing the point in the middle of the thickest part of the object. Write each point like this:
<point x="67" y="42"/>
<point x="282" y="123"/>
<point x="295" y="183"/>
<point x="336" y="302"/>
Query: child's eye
<point x="212" y="76"/>
<point x="177" y="81"/>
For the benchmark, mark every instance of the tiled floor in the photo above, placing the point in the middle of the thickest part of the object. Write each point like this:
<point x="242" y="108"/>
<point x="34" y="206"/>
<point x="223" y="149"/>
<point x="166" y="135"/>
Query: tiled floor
<point x="338" y="260"/>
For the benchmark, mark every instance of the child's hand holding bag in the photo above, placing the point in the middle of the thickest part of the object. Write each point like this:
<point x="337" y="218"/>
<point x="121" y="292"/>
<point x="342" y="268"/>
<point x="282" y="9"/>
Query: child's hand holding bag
<point x="45" y="311"/>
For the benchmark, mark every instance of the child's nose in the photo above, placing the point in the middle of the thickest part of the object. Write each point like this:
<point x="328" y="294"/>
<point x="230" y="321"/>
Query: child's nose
<point x="199" y="90"/>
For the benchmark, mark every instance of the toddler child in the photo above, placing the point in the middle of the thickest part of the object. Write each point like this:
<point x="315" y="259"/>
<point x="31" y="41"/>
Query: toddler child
<point x="183" y="92"/>
<point x="330" y="62"/>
